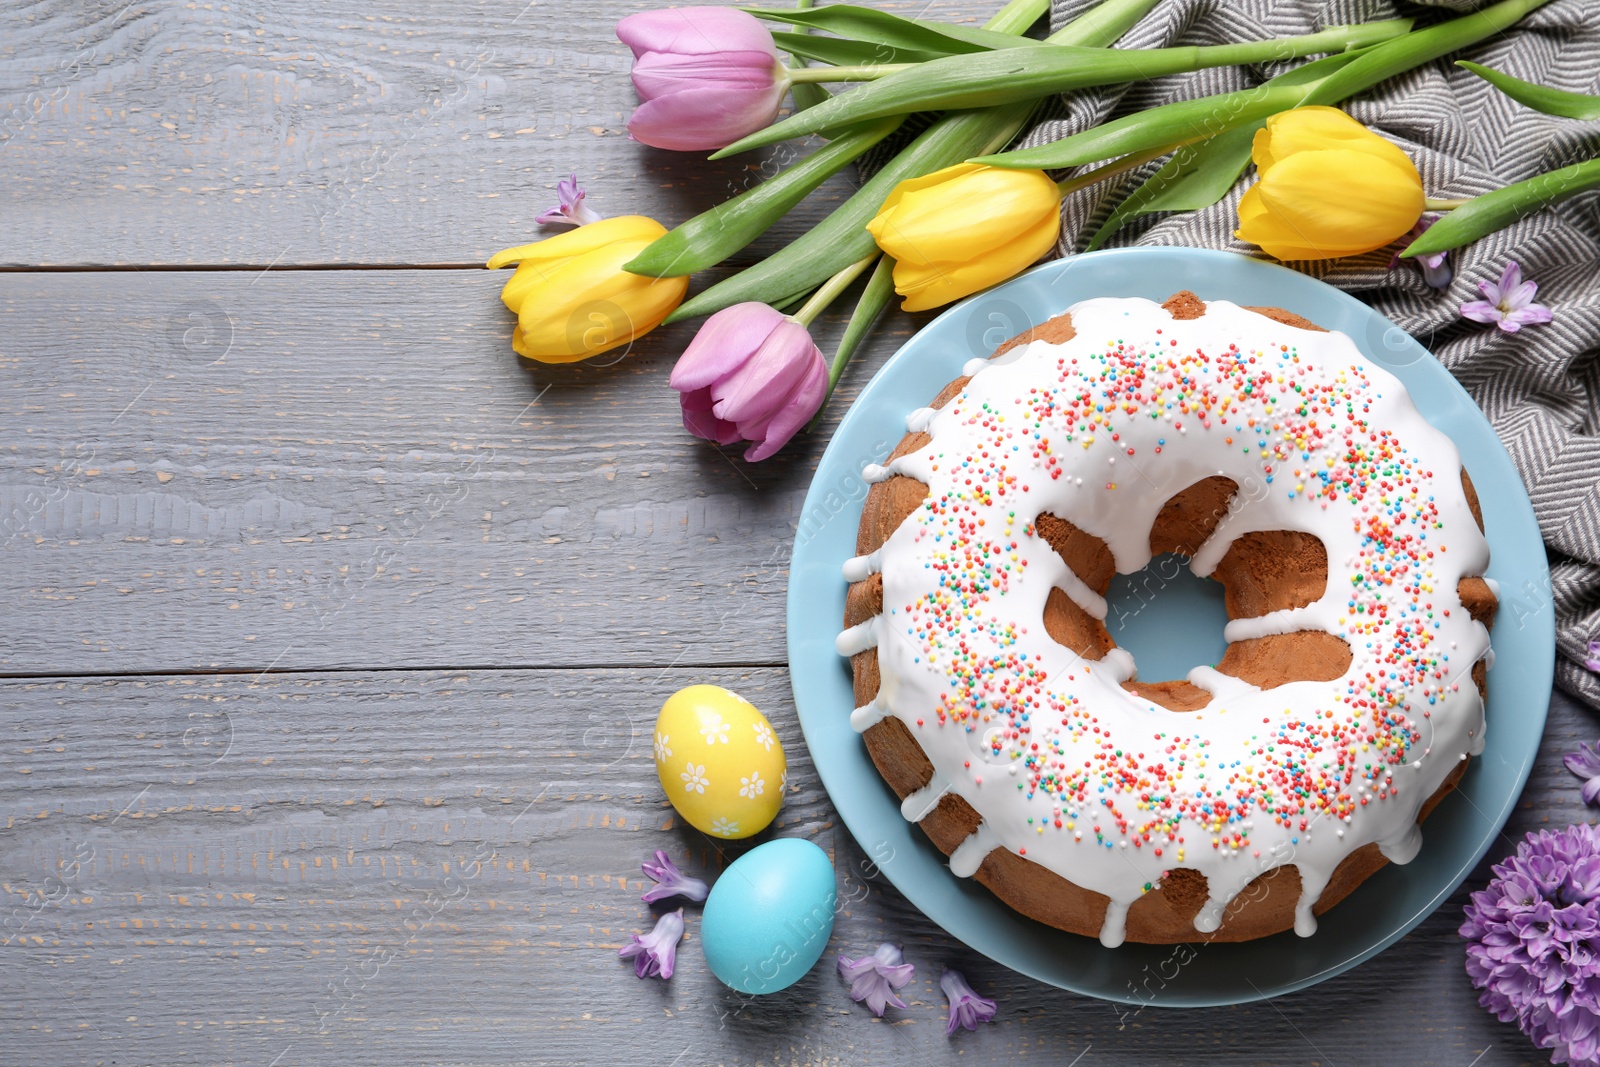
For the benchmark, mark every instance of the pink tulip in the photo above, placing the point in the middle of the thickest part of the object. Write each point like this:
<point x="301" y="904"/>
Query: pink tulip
<point x="750" y="374"/>
<point x="706" y="76"/>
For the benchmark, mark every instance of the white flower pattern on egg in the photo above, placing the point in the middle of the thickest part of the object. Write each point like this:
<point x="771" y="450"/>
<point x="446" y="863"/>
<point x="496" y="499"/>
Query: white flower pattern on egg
<point x="719" y="762"/>
<point x="714" y="729"/>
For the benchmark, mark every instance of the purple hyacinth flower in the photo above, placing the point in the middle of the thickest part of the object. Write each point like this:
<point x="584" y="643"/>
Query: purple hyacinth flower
<point x="671" y="882"/>
<point x="751" y="374"/>
<point x="1508" y="303"/>
<point x="1585" y="763"/>
<point x="875" y="978"/>
<point x="705" y="76"/>
<point x="1593" y="660"/>
<point x="1435" y="265"/>
<point x="1533" y="940"/>
<point x="966" y="1007"/>
<point x="572" y="211"/>
<point x="655" y="953"/>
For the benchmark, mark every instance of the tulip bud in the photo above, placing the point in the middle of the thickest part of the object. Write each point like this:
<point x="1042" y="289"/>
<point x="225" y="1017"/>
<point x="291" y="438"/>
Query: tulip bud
<point x="572" y="298"/>
<point x="965" y="228"/>
<point x="706" y="76"/>
<point x="1328" y="187"/>
<point x="750" y="374"/>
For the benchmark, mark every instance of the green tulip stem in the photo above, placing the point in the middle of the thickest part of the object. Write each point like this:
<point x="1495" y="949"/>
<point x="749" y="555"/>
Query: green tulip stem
<point x="1431" y="204"/>
<point x="877" y="295"/>
<point x="870" y="72"/>
<point x="1128" y="162"/>
<point x="830" y="290"/>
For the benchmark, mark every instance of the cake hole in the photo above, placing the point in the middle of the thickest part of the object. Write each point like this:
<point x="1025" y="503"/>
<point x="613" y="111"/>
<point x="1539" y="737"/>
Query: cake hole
<point x="1168" y="618"/>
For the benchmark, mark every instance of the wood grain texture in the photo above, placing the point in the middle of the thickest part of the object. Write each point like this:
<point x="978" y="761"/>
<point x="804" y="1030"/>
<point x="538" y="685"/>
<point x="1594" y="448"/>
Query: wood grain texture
<point x="224" y="470"/>
<point x="377" y="867"/>
<point x="348" y="131"/>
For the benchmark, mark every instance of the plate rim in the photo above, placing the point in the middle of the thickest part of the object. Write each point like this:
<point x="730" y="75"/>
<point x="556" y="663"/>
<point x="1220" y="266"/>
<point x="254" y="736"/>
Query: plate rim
<point x="1543" y="618"/>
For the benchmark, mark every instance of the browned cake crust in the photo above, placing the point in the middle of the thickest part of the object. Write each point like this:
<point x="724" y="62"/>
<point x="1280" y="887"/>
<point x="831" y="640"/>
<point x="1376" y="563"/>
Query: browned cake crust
<point x="1261" y="572"/>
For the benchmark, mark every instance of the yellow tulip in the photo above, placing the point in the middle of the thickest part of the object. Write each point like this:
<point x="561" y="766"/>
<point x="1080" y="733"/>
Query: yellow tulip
<point x="1329" y="187"/>
<point x="965" y="228"/>
<point x="572" y="298"/>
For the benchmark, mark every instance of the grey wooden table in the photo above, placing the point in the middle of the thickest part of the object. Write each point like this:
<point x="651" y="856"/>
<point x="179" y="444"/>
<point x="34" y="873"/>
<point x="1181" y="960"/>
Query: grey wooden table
<point x="333" y="633"/>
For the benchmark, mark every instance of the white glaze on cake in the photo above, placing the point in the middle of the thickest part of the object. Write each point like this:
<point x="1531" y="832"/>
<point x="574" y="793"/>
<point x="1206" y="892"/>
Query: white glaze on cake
<point x="1105" y="788"/>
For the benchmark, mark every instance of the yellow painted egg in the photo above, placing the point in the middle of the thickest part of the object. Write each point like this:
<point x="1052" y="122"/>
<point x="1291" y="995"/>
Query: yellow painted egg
<point x="720" y="761"/>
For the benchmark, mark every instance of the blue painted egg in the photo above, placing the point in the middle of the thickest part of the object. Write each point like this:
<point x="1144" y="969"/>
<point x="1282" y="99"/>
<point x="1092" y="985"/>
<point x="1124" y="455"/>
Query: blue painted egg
<point x="769" y="916"/>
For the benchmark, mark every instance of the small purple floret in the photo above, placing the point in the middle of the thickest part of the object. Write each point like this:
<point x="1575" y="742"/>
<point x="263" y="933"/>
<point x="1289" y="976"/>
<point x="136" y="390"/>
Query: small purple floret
<point x="1533" y="940"/>
<point x="1585" y="763"/>
<point x="875" y="978"/>
<point x="655" y="953"/>
<point x="1435" y="265"/>
<point x="1508" y="303"/>
<point x="671" y="882"/>
<point x="572" y="211"/>
<point x="966" y="1007"/>
<point x="1593" y="662"/>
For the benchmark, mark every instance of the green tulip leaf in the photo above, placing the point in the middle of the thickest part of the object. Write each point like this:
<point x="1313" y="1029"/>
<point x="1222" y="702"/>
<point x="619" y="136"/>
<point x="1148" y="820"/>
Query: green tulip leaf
<point x="1011" y="75"/>
<point x="865" y="25"/>
<point x="1181" y="122"/>
<point x="710" y="237"/>
<point x="1016" y="16"/>
<point x="1539" y="97"/>
<point x="846" y="53"/>
<point x="1414" y="49"/>
<point x="1104" y="24"/>
<point x="981" y="39"/>
<point x="1483" y="215"/>
<point x="1196" y="176"/>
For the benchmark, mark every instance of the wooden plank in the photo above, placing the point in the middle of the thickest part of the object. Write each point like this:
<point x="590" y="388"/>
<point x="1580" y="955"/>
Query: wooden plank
<point x="349" y="131"/>
<point x="223" y="470"/>
<point x="382" y="867"/>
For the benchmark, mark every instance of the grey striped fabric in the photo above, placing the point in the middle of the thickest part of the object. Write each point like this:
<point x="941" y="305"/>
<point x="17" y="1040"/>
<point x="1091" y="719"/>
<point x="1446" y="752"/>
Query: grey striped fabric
<point x="1540" y="387"/>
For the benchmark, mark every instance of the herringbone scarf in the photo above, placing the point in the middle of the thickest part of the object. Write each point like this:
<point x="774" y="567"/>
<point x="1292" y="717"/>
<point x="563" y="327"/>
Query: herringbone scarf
<point x="1540" y="387"/>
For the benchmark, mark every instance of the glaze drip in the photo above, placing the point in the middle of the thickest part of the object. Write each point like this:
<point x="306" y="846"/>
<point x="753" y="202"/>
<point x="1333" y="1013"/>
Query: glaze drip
<point x="969" y="855"/>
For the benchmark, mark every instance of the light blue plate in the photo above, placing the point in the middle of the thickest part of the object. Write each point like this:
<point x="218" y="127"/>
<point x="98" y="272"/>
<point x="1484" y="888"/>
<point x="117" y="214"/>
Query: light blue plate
<point x="1381" y="911"/>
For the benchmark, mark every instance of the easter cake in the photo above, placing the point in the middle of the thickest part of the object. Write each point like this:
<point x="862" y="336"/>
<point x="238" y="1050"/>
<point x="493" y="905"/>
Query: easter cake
<point x="1251" y="796"/>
